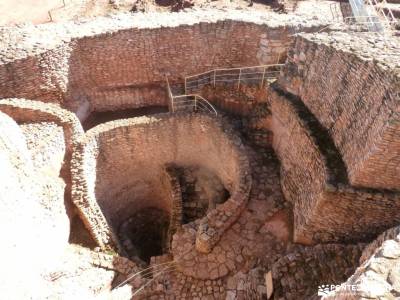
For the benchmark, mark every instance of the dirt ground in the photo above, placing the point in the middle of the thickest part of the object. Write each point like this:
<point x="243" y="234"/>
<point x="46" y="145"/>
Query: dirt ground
<point x="43" y="11"/>
<point x="35" y="11"/>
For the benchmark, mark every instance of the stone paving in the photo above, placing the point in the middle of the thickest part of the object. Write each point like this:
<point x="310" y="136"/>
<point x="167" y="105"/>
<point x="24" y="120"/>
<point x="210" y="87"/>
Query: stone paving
<point x="223" y="272"/>
<point x="243" y="248"/>
<point x="378" y="276"/>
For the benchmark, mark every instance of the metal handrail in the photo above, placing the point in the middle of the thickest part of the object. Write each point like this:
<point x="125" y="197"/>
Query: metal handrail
<point x="50" y="11"/>
<point x="388" y="16"/>
<point x="170" y="96"/>
<point x="374" y="15"/>
<point x="374" y="19"/>
<point x="335" y="11"/>
<point x="372" y="23"/>
<point x="198" y="103"/>
<point x="358" y="24"/>
<point x="243" y="76"/>
<point x="213" y="76"/>
<point x="179" y="101"/>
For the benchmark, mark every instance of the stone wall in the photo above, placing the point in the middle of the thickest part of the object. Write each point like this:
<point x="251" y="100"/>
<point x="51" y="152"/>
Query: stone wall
<point x="233" y="100"/>
<point x="32" y="194"/>
<point x="355" y="97"/>
<point x="16" y="175"/>
<point x="370" y="249"/>
<point x="303" y="169"/>
<point x="117" y="62"/>
<point x="25" y="111"/>
<point x="116" y="174"/>
<point x="378" y="276"/>
<point x="314" y="179"/>
<point x="37" y="113"/>
<point x="247" y="104"/>
<point x="174" y="193"/>
<point x="298" y="274"/>
<point x="201" y="192"/>
<point x="43" y="76"/>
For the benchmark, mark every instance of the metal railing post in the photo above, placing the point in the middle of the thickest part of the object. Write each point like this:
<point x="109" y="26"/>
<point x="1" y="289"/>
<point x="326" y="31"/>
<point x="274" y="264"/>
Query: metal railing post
<point x="170" y="96"/>
<point x="262" y="81"/>
<point x="185" y="85"/>
<point x="215" y="73"/>
<point x="240" y="75"/>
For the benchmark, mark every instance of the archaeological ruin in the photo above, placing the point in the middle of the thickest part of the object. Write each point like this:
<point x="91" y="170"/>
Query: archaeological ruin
<point x="205" y="153"/>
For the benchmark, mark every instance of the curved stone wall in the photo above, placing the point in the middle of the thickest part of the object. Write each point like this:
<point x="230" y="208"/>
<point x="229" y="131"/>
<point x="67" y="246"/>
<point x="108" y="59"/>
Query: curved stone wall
<point x="23" y="110"/>
<point x="313" y="177"/>
<point x="32" y="112"/>
<point x="377" y="276"/>
<point x="32" y="195"/>
<point x="390" y="234"/>
<point x="120" y="166"/>
<point x="20" y="202"/>
<point x="355" y="97"/>
<point x="118" y="62"/>
<point x="299" y="274"/>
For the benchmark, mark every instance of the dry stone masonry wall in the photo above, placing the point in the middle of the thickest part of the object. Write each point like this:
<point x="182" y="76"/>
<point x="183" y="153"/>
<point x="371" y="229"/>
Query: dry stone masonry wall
<point x="377" y="277"/>
<point x="326" y="207"/>
<point x="324" y="145"/>
<point x="332" y="119"/>
<point x="121" y="61"/>
<point x="298" y="274"/>
<point x="23" y="110"/>
<point x="355" y="97"/>
<point x="34" y="184"/>
<point x="115" y="189"/>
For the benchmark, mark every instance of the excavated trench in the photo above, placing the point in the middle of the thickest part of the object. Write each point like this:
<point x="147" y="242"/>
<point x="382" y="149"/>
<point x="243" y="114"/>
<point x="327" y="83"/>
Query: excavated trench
<point x="202" y="191"/>
<point x="145" y="234"/>
<point x="99" y="117"/>
<point x="148" y="231"/>
<point x="149" y="176"/>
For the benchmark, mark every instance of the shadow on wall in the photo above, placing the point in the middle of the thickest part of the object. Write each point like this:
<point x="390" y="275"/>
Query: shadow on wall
<point x="201" y="192"/>
<point x="129" y="175"/>
<point x="96" y="118"/>
<point x="124" y="68"/>
<point x="124" y="176"/>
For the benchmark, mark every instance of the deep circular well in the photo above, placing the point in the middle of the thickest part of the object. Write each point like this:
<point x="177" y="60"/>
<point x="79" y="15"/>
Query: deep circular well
<point x="121" y="166"/>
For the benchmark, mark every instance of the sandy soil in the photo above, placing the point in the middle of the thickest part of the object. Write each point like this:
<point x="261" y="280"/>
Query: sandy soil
<point x="37" y="11"/>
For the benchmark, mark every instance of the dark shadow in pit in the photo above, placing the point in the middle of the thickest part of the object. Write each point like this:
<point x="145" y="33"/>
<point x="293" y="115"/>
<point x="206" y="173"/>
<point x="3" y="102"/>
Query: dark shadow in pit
<point x="96" y="118"/>
<point x="202" y="191"/>
<point x="79" y="235"/>
<point x="145" y="234"/>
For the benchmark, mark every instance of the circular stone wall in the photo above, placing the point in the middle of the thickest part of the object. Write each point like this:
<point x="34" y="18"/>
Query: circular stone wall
<point x="119" y="170"/>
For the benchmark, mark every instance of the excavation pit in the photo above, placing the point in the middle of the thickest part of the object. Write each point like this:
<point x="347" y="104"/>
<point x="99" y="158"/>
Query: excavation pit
<point x="145" y="234"/>
<point x="97" y="117"/>
<point x="126" y="169"/>
<point x="169" y="191"/>
<point x="201" y="191"/>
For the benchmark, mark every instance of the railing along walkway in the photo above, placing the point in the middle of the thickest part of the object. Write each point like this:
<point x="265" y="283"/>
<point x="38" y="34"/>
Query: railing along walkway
<point x="236" y="76"/>
<point x="259" y="75"/>
<point x="191" y="102"/>
<point x="366" y="15"/>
